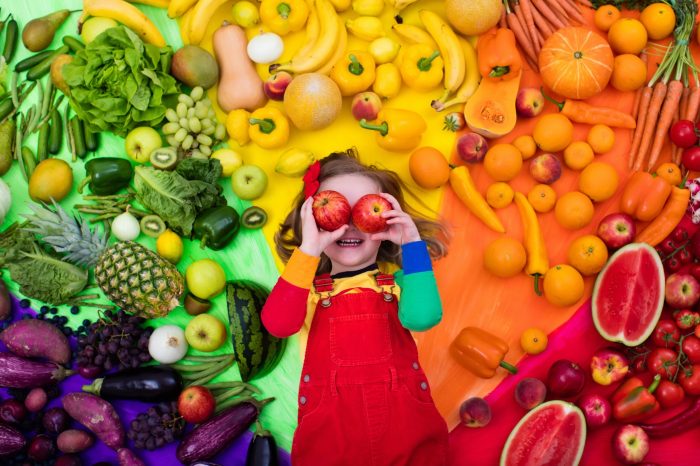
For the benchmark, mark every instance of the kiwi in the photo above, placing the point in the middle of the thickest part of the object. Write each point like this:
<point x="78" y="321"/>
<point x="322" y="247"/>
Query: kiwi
<point x="164" y="158"/>
<point x="195" y="306"/>
<point x="253" y="217"/>
<point x="152" y="225"/>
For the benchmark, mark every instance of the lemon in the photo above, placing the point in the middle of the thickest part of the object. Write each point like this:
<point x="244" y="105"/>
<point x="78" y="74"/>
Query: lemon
<point x="230" y="160"/>
<point x="245" y="14"/>
<point x="169" y="246"/>
<point x="383" y="50"/>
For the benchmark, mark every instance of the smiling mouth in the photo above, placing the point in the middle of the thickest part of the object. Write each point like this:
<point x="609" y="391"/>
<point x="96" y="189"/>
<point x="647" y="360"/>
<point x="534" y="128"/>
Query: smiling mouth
<point x="349" y="242"/>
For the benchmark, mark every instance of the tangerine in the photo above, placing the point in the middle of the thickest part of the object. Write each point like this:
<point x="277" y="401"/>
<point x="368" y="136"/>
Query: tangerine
<point x="499" y="195"/>
<point x="629" y="72"/>
<point x="670" y="172"/>
<point x="627" y="35"/>
<point x="574" y="210"/>
<point x="601" y="138"/>
<point x="578" y="155"/>
<point x="605" y="16"/>
<point x="598" y="181"/>
<point x="526" y="145"/>
<point x="659" y="20"/>
<point x="588" y="254"/>
<point x="503" y="162"/>
<point x="505" y="257"/>
<point x="533" y="341"/>
<point x="563" y="285"/>
<point x="553" y="132"/>
<point x="542" y="198"/>
<point x="428" y="167"/>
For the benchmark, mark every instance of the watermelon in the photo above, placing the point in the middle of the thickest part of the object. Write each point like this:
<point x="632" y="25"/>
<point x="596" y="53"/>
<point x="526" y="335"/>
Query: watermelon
<point x="553" y="433"/>
<point x="256" y="351"/>
<point x="628" y="295"/>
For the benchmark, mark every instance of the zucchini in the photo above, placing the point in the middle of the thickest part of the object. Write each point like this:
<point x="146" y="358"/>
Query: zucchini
<point x="148" y="383"/>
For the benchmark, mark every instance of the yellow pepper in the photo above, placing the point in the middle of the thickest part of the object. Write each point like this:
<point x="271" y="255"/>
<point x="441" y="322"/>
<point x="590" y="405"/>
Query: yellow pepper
<point x="465" y="189"/>
<point x="237" y="126"/>
<point x="537" y="260"/>
<point x="284" y="16"/>
<point x="421" y="67"/>
<point x="387" y="82"/>
<point x="354" y="72"/>
<point x="269" y="128"/>
<point x="397" y="130"/>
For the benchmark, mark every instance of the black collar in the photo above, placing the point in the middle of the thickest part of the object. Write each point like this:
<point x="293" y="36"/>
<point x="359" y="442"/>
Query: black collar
<point x="352" y="273"/>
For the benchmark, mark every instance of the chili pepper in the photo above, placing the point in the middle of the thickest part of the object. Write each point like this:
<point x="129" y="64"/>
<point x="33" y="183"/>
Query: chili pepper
<point x="397" y="129"/>
<point x="106" y="175"/>
<point x="537" y="259"/>
<point x="421" y="67"/>
<point x="216" y="227"/>
<point x="581" y="112"/>
<point x="687" y="319"/>
<point x="269" y="128"/>
<point x="262" y="450"/>
<point x="465" y="189"/>
<point x="678" y="424"/>
<point x="237" y="126"/>
<point x="644" y="196"/>
<point x="284" y="16"/>
<point x="632" y="401"/>
<point x="498" y="57"/>
<point x="481" y="352"/>
<point x="668" y="219"/>
<point x="354" y="72"/>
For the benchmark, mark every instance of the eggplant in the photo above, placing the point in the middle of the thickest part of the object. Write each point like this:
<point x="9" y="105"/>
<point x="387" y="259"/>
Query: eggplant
<point x="149" y="383"/>
<point x="11" y="440"/>
<point x="17" y="372"/>
<point x="262" y="450"/>
<point x="211" y="437"/>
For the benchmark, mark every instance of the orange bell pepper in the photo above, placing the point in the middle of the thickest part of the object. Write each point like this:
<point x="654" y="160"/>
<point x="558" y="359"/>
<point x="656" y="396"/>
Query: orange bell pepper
<point x="498" y="57"/>
<point x="481" y="352"/>
<point x="644" y="196"/>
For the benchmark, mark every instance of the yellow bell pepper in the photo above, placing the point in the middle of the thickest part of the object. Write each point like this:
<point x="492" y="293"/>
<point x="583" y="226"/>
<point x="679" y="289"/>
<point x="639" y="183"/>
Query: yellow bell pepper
<point x="237" y="126"/>
<point x="397" y="130"/>
<point x="284" y="16"/>
<point x="463" y="186"/>
<point x="387" y="82"/>
<point x="537" y="260"/>
<point x="269" y="128"/>
<point x="354" y="72"/>
<point x="421" y="67"/>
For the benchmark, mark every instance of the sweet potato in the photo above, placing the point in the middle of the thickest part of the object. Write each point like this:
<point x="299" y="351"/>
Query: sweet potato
<point x="128" y="458"/>
<point x="74" y="441"/>
<point x="97" y="415"/>
<point x="33" y="338"/>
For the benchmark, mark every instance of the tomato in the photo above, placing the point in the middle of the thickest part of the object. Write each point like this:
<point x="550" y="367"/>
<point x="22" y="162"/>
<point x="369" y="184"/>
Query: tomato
<point x="679" y="235"/>
<point x="668" y="246"/>
<point x="691" y="158"/>
<point x="663" y="361"/>
<point x="686" y="319"/>
<point x="684" y="256"/>
<point x="691" y="348"/>
<point x="673" y="264"/>
<point x="690" y="379"/>
<point x="697" y="331"/>
<point x="666" y="334"/>
<point x="669" y="394"/>
<point x="695" y="271"/>
<point x="682" y="133"/>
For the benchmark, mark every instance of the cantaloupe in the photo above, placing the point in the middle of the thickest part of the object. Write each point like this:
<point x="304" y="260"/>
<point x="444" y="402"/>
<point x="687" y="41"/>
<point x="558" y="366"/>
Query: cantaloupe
<point x="312" y="101"/>
<point x="473" y="17"/>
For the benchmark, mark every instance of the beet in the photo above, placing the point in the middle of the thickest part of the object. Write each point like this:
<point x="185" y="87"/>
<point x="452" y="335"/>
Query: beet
<point x="18" y="372"/>
<point x="55" y="420"/>
<point x="12" y="411"/>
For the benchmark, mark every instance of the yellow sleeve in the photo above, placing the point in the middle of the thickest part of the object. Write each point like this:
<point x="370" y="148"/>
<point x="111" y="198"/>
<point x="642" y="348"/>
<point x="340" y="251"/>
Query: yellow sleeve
<point x="301" y="269"/>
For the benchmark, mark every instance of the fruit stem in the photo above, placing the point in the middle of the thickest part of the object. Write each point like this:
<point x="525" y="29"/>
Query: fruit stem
<point x="560" y="105"/>
<point x="498" y="71"/>
<point x="425" y="63"/>
<point x="655" y="383"/>
<point x="83" y="183"/>
<point x="509" y="367"/>
<point x="383" y="128"/>
<point x="94" y="387"/>
<point x="538" y="291"/>
<point x="283" y="10"/>
<point x="267" y="125"/>
<point x="355" y="67"/>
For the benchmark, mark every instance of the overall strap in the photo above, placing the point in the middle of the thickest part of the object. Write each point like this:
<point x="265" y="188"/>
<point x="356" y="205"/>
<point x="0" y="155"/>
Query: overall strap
<point x="323" y="284"/>
<point x="385" y="281"/>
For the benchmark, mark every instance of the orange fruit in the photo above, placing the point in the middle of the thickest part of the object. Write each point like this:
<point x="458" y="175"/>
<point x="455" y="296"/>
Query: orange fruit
<point x="627" y="35"/>
<point x="503" y="162"/>
<point x="533" y="341"/>
<point x="605" y="16"/>
<point x="574" y="210"/>
<point x="542" y="198"/>
<point x="563" y="285"/>
<point x="505" y="257"/>
<point x="659" y="19"/>
<point x="588" y="254"/>
<point x="629" y="72"/>
<point x="428" y="167"/>
<point x="670" y="172"/>
<point x="526" y="145"/>
<point x="601" y="138"/>
<point x="598" y="181"/>
<point x="499" y="195"/>
<point x="578" y="154"/>
<point x="553" y="132"/>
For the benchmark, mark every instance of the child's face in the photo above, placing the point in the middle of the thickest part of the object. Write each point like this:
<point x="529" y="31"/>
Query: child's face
<point x="354" y="250"/>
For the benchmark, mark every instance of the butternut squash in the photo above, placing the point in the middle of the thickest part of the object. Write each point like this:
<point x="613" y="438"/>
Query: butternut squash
<point x="240" y="86"/>
<point x="490" y="111"/>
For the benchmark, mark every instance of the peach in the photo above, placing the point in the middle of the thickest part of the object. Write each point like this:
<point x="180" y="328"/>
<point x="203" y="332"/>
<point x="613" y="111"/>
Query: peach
<point x="276" y="84"/>
<point x="365" y="105"/>
<point x="530" y="392"/>
<point x="545" y="168"/>
<point x="529" y="102"/>
<point x="475" y="412"/>
<point x="472" y="147"/>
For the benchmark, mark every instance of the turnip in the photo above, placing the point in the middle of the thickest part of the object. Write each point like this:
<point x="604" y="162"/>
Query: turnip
<point x="97" y="415"/>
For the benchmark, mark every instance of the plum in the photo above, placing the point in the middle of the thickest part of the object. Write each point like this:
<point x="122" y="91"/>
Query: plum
<point x="475" y="412"/>
<point x="530" y="392"/>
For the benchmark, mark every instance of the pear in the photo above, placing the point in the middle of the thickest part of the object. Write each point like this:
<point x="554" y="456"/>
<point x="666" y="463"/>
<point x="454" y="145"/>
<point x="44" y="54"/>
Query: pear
<point x="57" y="72"/>
<point x="39" y="32"/>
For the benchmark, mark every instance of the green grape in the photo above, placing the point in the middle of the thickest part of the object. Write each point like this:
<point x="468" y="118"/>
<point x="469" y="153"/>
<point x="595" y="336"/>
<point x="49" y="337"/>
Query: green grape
<point x="220" y="132"/>
<point x="197" y="154"/>
<point x="184" y="123"/>
<point x="206" y="150"/>
<point x="200" y="110"/>
<point x="185" y="99"/>
<point x="195" y="125"/>
<point x="170" y="128"/>
<point x="204" y="139"/>
<point x="171" y="115"/>
<point x="197" y="93"/>
<point x="208" y="130"/>
<point x="181" y="135"/>
<point x="190" y="112"/>
<point x="172" y="142"/>
<point x="187" y="142"/>
<point x="181" y="110"/>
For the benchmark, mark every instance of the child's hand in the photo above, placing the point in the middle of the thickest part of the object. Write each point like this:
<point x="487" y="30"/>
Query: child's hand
<point x="315" y="241"/>
<point x="401" y="228"/>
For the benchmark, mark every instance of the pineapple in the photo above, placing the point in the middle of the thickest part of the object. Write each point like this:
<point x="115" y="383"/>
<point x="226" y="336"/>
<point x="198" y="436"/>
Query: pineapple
<point x="132" y="276"/>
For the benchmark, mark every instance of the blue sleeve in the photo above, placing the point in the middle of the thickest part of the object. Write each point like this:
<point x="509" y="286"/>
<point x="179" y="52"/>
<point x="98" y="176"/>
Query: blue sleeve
<point x="420" y="307"/>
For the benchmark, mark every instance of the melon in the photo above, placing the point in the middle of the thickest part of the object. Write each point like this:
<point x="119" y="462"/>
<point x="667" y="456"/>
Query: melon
<point x="553" y="433"/>
<point x="312" y="101"/>
<point x="473" y="17"/>
<point x="628" y="295"/>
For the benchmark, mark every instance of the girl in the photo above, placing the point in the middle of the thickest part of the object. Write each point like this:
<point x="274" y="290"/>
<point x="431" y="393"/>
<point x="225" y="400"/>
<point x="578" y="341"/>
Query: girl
<point x="363" y="398"/>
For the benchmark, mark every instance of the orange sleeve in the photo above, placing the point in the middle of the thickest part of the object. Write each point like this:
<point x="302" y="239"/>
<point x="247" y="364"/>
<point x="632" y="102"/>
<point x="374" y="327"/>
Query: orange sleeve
<point x="301" y="269"/>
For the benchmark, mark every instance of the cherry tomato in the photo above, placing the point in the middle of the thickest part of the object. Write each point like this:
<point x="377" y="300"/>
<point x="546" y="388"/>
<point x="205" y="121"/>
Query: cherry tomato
<point x="668" y="246"/>
<point x="694" y="244"/>
<point x="689" y="379"/>
<point x="684" y="256"/>
<point x="663" y="361"/>
<point x="679" y="235"/>
<point x="686" y="319"/>
<point x="669" y="394"/>
<point x="697" y="331"/>
<point x="691" y="348"/>
<point x="674" y="264"/>
<point x="691" y="158"/>
<point x="666" y="334"/>
<point x="682" y="133"/>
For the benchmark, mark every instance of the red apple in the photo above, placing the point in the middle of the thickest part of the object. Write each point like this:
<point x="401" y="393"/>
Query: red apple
<point x="365" y="105"/>
<point x="682" y="291"/>
<point x="617" y="230"/>
<point x="331" y="210"/>
<point x="196" y="404"/>
<point x="367" y="213"/>
<point x="545" y="168"/>
<point x="596" y="409"/>
<point x="276" y="84"/>
<point x="529" y="102"/>
<point x="630" y="444"/>
<point x="472" y="147"/>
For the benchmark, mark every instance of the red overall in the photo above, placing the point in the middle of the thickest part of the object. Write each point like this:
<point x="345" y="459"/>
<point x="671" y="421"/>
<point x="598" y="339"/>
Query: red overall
<point x="363" y="398"/>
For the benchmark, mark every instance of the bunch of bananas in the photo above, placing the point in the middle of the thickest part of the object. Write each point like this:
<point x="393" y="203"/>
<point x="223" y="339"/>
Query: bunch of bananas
<point x="127" y="14"/>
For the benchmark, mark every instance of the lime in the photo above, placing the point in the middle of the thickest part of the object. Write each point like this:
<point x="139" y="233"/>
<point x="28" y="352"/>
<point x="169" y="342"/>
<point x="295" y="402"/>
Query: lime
<point x="245" y="14"/>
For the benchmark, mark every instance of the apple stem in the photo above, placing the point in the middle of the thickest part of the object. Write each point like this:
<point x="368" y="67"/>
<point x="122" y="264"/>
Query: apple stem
<point x="383" y="128"/>
<point x="509" y="367"/>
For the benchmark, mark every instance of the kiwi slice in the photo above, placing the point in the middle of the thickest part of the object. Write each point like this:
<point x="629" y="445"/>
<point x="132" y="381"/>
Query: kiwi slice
<point x="152" y="225"/>
<point x="253" y="217"/>
<point x="164" y="158"/>
<point x="195" y="306"/>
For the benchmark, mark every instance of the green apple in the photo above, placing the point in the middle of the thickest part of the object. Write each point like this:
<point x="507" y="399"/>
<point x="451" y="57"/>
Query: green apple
<point x="95" y="26"/>
<point x="140" y="142"/>
<point x="249" y="182"/>
<point x="205" y="333"/>
<point x="205" y="278"/>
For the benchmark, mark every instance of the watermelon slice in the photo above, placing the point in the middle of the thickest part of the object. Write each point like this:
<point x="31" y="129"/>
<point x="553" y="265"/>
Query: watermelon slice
<point x="552" y="434"/>
<point x="628" y="295"/>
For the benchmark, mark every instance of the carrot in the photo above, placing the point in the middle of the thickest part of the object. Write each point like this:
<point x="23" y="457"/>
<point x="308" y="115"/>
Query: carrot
<point x="502" y="21"/>
<point x="542" y="25"/>
<point x="657" y="99"/>
<point x="642" y="113"/>
<point x="572" y="9"/>
<point x="522" y="39"/>
<point x="691" y="109"/>
<point x="558" y="9"/>
<point x="669" y="109"/>
<point x="667" y="220"/>
<point x="638" y="92"/>
<point x="523" y="24"/>
<point x="683" y="105"/>
<point x="548" y="13"/>
<point x="585" y="3"/>
<point x="530" y="21"/>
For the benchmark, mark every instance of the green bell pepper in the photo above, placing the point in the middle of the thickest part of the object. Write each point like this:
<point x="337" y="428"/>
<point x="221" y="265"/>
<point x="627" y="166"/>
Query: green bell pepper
<point x="107" y="175"/>
<point x="216" y="227"/>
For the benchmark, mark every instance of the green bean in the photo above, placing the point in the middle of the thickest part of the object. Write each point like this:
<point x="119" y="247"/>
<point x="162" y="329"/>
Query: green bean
<point x="32" y="121"/>
<point x="11" y="35"/>
<point x="69" y="132"/>
<point x="42" y="145"/>
<point x="79" y="136"/>
<point x="35" y="59"/>
<point x="55" y="132"/>
<point x="40" y="69"/>
<point x="49" y="94"/>
<point x="74" y="43"/>
<point x="29" y="160"/>
<point x="46" y="117"/>
<point x="17" y="151"/>
<point x="92" y="140"/>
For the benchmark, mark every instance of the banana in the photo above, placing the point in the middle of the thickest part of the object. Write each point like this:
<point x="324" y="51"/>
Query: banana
<point x="178" y="8"/>
<point x="450" y="49"/>
<point x="399" y="5"/>
<point x="313" y="28"/>
<point x="366" y="27"/>
<point x="124" y="13"/>
<point x="470" y="83"/>
<point x="294" y="162"/>
<point x="185" y="21"/>
<point x="341" y="5"/>
<point x="155" y="3"/>
<point x="414" y="35"/>
<point x="340" y="48"/>
<point x="203" y="12"/>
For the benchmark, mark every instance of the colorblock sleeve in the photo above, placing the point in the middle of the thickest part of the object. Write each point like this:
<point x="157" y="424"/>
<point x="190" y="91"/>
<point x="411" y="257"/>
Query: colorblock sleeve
<point x="420" y="307"/>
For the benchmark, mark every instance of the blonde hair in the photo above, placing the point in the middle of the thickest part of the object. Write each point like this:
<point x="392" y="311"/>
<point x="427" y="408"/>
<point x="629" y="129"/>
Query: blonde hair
<point x="433" y="233"/>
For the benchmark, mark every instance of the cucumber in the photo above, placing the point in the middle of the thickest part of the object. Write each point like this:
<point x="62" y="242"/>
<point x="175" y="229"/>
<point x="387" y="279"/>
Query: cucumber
<point x="74" y="43"/>
<point x="32" y="61"/>
<point x="55" y="132"/>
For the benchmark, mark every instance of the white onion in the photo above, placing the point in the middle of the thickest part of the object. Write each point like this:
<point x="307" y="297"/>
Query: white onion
<point x="265" y="48"/>
<point x="125" y="227"/>
<point x="167" y="344"/>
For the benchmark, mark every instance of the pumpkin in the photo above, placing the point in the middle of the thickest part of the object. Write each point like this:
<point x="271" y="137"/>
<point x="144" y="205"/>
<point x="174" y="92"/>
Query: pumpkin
<point x="490" y="111"/>
<point x="576" y="63"/>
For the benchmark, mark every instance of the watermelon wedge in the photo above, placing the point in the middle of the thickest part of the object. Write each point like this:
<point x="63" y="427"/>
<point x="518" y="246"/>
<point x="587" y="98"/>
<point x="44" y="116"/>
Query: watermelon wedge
<point x="628" y="295"/>
<point x="553" y="433"/>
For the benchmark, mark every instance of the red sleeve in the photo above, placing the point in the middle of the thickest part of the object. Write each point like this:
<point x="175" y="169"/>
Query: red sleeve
<point x="285" y="309"/>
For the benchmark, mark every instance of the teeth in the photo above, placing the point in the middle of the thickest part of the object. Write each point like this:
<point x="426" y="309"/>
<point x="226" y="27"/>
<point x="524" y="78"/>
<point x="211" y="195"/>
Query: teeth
<point x="349" y="242"/>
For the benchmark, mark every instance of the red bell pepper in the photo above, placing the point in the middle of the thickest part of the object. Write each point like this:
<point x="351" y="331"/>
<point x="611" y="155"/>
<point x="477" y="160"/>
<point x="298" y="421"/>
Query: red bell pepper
<point x="633" y="402"/>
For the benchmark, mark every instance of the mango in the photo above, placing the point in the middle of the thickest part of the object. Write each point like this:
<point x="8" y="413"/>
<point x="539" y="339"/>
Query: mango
<point x="194" y="66"/>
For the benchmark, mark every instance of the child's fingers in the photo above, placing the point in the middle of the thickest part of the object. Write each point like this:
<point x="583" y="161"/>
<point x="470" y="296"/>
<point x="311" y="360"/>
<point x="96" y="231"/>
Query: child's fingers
<point x="394" y="213"/>
<point x="392" y="200"/>
<point x="336" y="234"/>
<point x="381" y="236"/>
